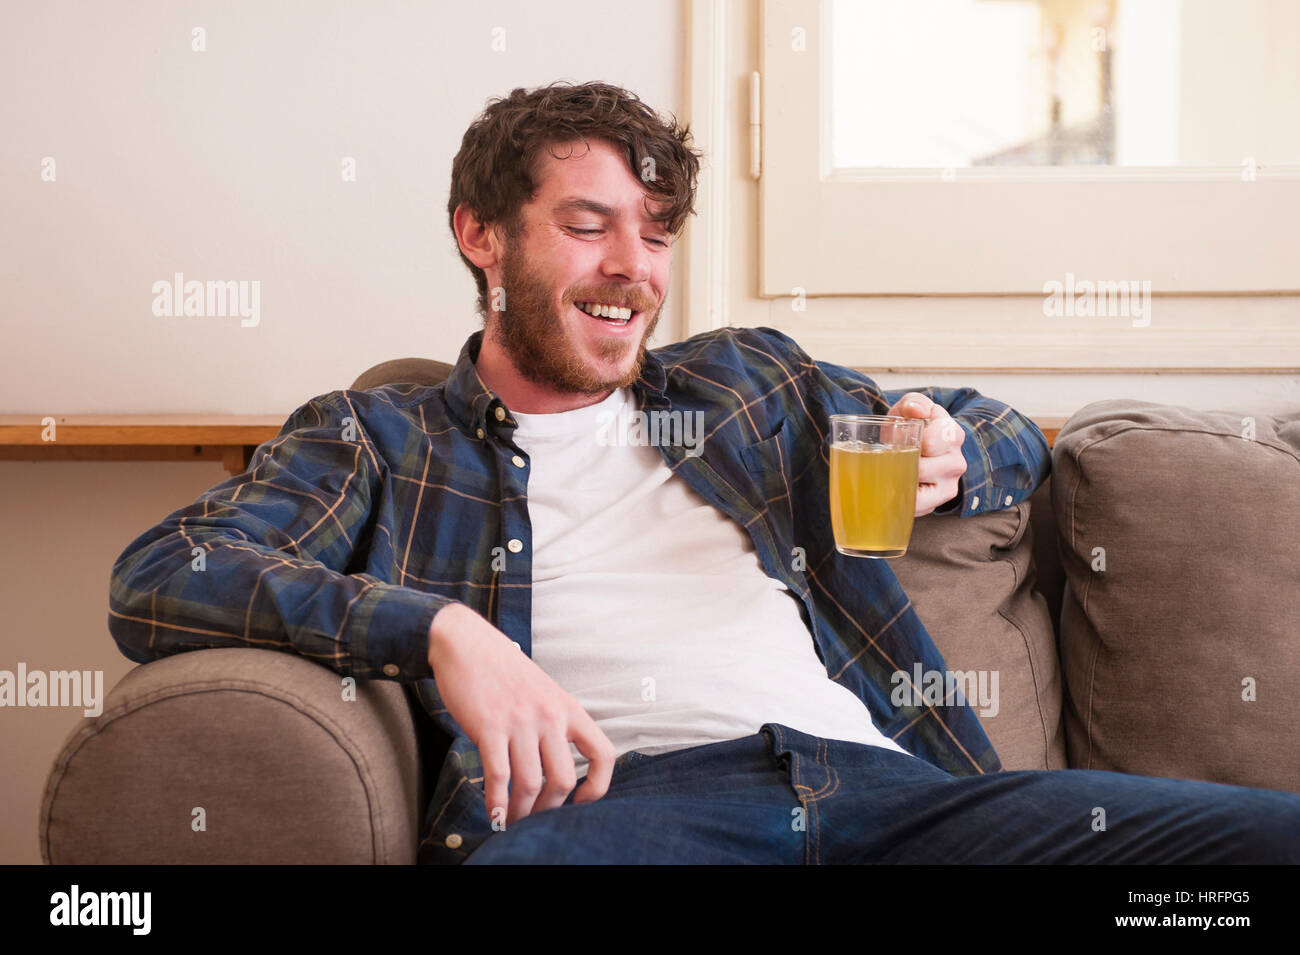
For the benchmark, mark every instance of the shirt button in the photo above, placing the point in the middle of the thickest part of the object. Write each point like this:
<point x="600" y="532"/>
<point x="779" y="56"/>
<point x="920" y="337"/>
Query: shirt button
<point x="1007" y="502"/>
<point x="517" y="461"/>
<point x="391" y="669"/>
<point x="514" y="545"/>
<point x="501" y="413"/>
<point x="478" y="433"/>
<point x="974" y="502"/>
<point x="452" y="841"/>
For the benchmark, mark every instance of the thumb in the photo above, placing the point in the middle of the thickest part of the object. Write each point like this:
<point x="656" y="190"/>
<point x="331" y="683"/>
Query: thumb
<point x="916" y="406"/>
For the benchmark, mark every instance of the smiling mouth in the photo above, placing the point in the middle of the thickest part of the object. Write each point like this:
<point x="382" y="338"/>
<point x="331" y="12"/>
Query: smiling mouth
<point x="612" y="318"/>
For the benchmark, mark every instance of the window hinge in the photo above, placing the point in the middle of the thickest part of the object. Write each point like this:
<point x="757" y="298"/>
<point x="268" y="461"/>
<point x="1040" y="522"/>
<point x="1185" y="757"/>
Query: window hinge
<point x="755" y="128"/>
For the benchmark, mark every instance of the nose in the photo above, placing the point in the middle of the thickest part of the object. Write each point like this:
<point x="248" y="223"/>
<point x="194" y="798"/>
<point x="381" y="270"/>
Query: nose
<point x="628" y="258"/>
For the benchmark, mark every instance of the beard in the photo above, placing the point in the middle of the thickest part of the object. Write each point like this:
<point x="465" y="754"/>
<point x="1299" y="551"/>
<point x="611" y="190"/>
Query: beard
<point x="534" y="338"/>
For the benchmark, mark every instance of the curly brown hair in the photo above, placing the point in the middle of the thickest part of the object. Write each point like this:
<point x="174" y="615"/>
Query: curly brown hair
<point x="494" y="171"/>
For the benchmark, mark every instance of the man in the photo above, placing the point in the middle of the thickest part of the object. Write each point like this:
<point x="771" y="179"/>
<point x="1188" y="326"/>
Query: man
<point x="666" y="622"/>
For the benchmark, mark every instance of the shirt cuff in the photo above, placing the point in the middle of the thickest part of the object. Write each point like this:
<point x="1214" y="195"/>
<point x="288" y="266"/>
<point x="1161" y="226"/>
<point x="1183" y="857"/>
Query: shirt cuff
<point x="974" y="492"/>
<point x="388" y="633"/>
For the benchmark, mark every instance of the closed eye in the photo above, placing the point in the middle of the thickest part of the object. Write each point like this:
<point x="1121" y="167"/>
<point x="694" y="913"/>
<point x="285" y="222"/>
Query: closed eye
<point x="658" y="242"/>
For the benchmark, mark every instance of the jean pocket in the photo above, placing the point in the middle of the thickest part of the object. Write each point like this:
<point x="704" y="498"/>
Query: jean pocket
<point x="631" y="758"/>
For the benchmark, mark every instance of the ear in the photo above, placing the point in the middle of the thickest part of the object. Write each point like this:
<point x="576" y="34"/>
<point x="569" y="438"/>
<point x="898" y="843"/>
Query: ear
<point x="481" y="244"/>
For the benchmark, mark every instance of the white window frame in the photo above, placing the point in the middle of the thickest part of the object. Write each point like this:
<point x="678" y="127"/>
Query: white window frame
<point x="1227" y="300"/>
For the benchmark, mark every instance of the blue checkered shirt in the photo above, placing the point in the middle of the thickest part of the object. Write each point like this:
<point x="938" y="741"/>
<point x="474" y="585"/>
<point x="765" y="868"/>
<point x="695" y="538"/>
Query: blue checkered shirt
<point x="371" y="510"/>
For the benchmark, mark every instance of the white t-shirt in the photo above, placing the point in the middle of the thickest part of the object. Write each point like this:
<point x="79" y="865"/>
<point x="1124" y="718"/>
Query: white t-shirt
<point x="650" y="606"/>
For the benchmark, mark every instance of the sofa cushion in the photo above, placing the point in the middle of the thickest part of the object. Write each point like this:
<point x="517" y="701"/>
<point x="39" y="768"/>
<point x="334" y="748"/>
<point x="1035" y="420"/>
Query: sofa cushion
<point x="1179" y="648"/>
<point x="971" y="581"/>
<point x="1049" y="575"/>
<point x="420" y="371"/>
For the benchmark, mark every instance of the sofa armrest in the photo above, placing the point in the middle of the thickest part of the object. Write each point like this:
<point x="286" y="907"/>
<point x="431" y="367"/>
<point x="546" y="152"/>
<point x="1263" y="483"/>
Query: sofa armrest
<point x="283" y="767"/>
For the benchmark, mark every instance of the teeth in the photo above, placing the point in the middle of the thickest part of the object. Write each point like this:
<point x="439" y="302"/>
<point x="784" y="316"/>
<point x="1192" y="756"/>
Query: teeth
<point x="611" y="312"/>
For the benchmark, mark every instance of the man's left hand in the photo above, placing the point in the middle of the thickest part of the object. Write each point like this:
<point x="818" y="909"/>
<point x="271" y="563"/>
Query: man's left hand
<point x="942" y="462"/>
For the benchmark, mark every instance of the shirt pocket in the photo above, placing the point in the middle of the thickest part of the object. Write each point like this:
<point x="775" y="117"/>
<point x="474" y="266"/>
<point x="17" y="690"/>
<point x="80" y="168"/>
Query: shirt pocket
<point x="770" y="468"/>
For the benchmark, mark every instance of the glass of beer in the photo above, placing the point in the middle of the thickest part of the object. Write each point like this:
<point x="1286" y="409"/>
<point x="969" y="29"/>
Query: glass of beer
<point x="874" y="461"/>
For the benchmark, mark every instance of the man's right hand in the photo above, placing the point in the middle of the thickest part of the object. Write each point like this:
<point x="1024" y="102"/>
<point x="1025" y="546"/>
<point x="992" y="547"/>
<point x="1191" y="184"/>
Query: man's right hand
<point x="513" y="711"/>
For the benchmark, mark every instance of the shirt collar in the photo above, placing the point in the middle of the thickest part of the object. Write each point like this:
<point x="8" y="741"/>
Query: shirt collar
<point x="483" y="412"/>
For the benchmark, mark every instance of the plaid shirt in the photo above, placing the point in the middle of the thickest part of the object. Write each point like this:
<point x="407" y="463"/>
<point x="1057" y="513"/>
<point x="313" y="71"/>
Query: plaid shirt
<point x="371" y="510"/>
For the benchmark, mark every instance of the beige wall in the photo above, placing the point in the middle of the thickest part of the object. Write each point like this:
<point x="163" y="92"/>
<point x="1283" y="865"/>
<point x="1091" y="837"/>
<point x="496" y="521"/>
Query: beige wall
<point x="226" y="165"/>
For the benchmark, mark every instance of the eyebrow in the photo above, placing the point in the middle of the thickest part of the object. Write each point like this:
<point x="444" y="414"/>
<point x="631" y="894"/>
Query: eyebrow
<point x="583" y="204"/>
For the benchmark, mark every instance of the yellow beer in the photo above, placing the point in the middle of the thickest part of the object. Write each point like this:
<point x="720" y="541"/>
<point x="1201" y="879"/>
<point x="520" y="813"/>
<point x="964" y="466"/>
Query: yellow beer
<point x="873" y="497"/>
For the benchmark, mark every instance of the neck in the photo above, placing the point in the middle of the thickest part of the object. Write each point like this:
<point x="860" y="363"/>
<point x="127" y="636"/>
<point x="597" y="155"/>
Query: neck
<point x="499" y="374"/>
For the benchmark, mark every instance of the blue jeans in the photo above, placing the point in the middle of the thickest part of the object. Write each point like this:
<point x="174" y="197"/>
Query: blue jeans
<point x="782" y="796"/>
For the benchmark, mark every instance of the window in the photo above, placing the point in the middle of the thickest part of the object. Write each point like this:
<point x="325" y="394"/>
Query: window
<point x="993" y="147"/>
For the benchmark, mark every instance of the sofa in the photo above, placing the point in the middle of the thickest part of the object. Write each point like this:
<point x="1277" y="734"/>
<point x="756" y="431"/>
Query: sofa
<point x="1136" y="614"/>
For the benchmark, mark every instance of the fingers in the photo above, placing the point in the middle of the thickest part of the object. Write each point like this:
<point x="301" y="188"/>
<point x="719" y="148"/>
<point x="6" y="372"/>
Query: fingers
<point x="930" y="496"/>
<point x="938" y="468"/>
<point x="540" y="782"/>
<point x="942" y="462"/>
<point x="495" y="754"/>
<point x="913" y="405"/>
<point x="525" y="776"/>
<point x="936" y="480"/>
<point x="558" y="766"/>
<point x="942" y="434"/>
<point x="595" y="745"/>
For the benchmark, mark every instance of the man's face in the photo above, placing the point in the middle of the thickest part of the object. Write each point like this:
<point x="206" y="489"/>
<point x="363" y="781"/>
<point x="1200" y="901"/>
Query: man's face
<point x="587" y="239"/>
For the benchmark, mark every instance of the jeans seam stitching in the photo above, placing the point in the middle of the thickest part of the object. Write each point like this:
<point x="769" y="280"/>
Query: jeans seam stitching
<point x="804" y="801"/>
<point x="823" y="791"/>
